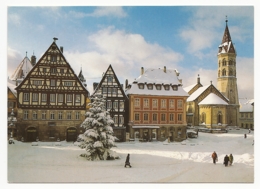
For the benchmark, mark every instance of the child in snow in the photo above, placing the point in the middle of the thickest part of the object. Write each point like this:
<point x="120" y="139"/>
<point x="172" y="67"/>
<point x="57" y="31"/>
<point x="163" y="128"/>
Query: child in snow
<point x="127" y="161"/>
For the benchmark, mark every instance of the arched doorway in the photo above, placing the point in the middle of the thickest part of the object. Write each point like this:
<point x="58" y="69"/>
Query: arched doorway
<point x="219" y="118"/>
<point x="31" y="134"/>
<point x="71" y="134"/>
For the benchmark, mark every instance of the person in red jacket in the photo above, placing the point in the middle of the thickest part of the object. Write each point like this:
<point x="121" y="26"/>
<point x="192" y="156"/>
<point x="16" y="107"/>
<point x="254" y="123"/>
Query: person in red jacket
<point x="214" y="157"/>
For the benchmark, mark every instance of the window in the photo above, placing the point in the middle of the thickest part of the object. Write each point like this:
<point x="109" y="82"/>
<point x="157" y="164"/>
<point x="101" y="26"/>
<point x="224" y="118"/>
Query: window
<point x="53" y="70"/>
<point x="141" y="86"/>
<point x="34" y="115"/>
<point x="43" y="115"/>
<point x="122" y="104"/>
<point x="77" y="98"/>
<point x="53" y="58"/>
<point x="115" y="120"/>
<point x="137" y="117"/>
<point x="104" y="89"/>
<point x="150" y="87"/>
<point x="109" y="104"/>
<point x="166" y="87"/>
<point x="171" y="117"/>
<point x="44" y="97"/>
<point x="114" y="90"/>
<point x="242" y="114"/>
<point x="77" y="115"/>
<point x="115" y="105"/>
<point x="154" y="117"/>
<point x="137" y="102"/>
<point x="26" y="97"/>
<point x="158" y="87"/>
<point x="109" y="90"/>
<point x="121" y="120"/>
<point x="69" y="97"/>
<point x="68" y="83"/>
<point x="163" y="117"/>
<point x="53" y="82"/>
<point x="25" y="115"/>
<point x="179" y="103"/>
<point x="60" y="97"/>
<point x="37" y="82"/>
<point x="179" y="117"/>
<point x="109" y="79"/>
<point x="163" y="105"/>
<point x="69" y="115"/>
<point x="175" y="87"/>
<point x="62" y="71"/>
<point x="35" y="97"/>
<point x="146" y="102"/>
<point x="52" y="98"/>
<point x="145" y="117"/>
<point x="44" y="70"/>
<point x="171" y="103"/>
<point x="224" y="72"/>
<point x="155" y="102"/>
<point x="11" y="104"/>
<point x="60" y="115"/>
<point x="52" y="116"/>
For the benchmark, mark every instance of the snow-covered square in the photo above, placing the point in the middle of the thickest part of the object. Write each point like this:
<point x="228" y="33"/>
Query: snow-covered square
<point x="152" y="162"/>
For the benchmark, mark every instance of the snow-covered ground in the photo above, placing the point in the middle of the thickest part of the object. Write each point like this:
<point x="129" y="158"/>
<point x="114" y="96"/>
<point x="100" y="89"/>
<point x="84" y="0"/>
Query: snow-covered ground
<point x="152" y="162"/>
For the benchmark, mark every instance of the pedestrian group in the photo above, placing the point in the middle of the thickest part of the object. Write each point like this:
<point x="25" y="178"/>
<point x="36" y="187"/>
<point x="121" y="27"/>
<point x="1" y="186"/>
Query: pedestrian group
<point x="228" y="160"/>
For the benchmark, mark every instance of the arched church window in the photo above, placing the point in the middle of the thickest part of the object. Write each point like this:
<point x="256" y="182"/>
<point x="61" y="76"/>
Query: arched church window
<point x="219" y="63"/>
<point x="219" y="117"/>
<point x="224" y="63"/>
<point x="218" y="73"/>
<point x="203" y="117"/>
<point x="230" y="62"/>
<point x="224" y="72"/>
<point x="230" y="72"/>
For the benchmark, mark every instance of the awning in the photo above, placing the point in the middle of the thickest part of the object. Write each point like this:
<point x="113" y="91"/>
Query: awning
<point x="145" y="127"/>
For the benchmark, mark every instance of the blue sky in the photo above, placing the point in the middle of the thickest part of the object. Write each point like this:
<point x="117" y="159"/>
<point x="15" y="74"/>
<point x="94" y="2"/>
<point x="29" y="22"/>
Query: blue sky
<point x="185" y="38"/>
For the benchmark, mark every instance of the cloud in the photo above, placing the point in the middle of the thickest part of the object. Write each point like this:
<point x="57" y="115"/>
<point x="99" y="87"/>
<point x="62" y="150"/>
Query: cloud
<point x="110" y="11"/>
<point x="126" y="52"/>
<point x="14" y="59"/>
<point x="14" y="19"/>
<point x="207" y="24"/>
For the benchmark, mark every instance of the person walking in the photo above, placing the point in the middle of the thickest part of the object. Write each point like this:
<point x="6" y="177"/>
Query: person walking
<point x="231" y="159"/>
<point x="214" y="157"/>
<point x="226" y="160"/>
<point x="127" y="161"/>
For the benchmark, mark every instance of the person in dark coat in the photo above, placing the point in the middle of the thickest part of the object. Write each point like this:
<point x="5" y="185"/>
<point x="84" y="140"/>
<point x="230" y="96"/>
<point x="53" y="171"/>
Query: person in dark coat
<point x="127" y="161"/>
<point x="214" y="157"/>
<point x="231" y="159"/>
<point x="226" y="160"/>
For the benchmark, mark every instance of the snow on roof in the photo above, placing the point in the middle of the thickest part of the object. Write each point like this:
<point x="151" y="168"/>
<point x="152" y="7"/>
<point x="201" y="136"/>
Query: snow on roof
<point x="157" y="76"/>
<point x="187" y="89"/>
<point x="213" y="99"/>
<point x="22" y="70"/>
<point x="11" y="85"/>
<point x="246" y="105"/>
<point x="198" y="92"/>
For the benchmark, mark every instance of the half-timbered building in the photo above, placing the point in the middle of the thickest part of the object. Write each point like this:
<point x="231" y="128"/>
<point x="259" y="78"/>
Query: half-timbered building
<point x="157" y="106"/>
<point x="51" y="100"/>
<point x="116" y="101"/>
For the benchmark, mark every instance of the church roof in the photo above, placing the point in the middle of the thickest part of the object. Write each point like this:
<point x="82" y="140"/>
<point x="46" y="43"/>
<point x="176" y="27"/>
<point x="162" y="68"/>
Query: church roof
<point x="197" y="93"/>
<point x="22" y="70"/>
<point x="226" y="45"/>
<point x="213" y="99"/>
<point x="157" y="76"/>
<point x="188" y="88"/>
<point x="11" y="86"/>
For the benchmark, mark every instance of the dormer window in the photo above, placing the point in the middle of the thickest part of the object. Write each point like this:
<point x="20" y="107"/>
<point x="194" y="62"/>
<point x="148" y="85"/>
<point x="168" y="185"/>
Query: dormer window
<point x="175" y="87"/>
<point x="141" y="86"/>
<point x="166" y="87"/>
<point x="158" y="87"/>
<point x="150" y="86"/>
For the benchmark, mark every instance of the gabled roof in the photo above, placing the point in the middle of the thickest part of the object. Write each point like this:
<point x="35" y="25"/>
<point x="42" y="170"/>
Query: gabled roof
<point x="212" y="99"/>
<point x="22" y="70"/>
<point x="187" y="89"/>
<point x="157" y="77"/>
<point x="103" y="78"/>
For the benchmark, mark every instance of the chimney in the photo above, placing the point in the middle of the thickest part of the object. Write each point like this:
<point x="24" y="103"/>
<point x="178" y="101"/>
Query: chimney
<point x="61" y="49"/>
<point x="126" y="83"/>
<point x="142" y="70"/>
<point x="164" y="69"/>
<point x="198" y="79"/>
<point x="33" y="60"/>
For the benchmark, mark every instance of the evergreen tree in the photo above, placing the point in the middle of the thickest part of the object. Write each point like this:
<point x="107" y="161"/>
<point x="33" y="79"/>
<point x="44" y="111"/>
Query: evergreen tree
<point x="98" y="138"/>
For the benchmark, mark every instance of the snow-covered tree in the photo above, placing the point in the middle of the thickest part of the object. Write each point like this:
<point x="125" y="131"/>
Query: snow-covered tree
<point x="98" y="138"/>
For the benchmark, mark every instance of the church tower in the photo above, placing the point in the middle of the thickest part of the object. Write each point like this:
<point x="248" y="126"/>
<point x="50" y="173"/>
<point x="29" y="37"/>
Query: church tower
<point x="227" y="80"/>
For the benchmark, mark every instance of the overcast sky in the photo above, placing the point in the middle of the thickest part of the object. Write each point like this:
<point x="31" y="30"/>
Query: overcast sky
<point x="185" y="38"/>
